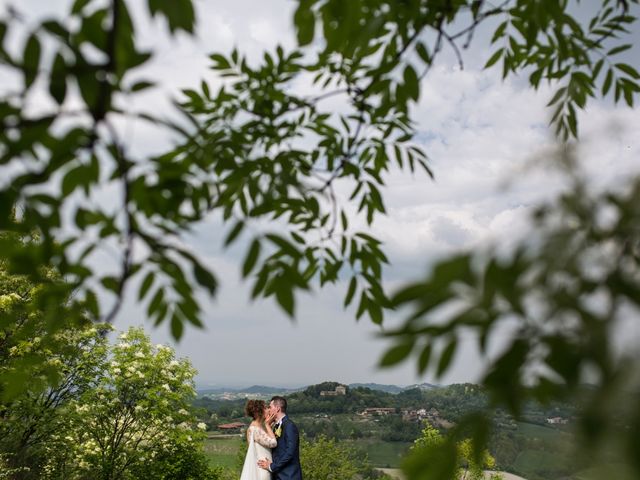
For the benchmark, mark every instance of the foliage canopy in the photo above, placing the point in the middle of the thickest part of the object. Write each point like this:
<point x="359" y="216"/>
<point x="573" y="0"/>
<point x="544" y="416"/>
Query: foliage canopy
<point x="254" y="149"/>
<point x="257" y="152"/>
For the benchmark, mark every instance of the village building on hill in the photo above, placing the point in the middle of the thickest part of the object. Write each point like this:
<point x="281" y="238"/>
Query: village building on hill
<point x="231" y="427"/>
<point x="340" y="390"/>
<point x="377" y="411"/>
<point x="414" y="415"/>
<point x="557" y="421"/>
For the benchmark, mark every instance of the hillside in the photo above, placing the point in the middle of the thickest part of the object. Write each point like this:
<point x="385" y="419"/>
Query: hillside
<point x="378" y="386"/>
<point x="532" y="447"/>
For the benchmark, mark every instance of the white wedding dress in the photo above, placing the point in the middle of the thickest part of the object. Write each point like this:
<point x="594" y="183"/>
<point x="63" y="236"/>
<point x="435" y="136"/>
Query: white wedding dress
<point x="260" y="445"/>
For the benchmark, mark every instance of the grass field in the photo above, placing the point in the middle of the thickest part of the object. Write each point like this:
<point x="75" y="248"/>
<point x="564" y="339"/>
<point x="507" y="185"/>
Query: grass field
<point x="612" y="472"/>
<point x="223" y="451"/>
<point x="545" y="433"/>
<point x="549" y="454"/>
<point x="383" y="454"/>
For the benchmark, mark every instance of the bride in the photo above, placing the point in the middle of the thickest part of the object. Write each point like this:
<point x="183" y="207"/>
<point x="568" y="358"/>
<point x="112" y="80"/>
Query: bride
<point x="260" y="440"/>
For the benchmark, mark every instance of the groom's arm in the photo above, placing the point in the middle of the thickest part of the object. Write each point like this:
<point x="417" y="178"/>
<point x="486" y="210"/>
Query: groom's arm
<point x="291" y="439"/>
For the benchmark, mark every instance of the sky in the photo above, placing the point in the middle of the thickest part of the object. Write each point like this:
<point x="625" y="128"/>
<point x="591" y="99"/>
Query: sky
<point x="485" y="138"/>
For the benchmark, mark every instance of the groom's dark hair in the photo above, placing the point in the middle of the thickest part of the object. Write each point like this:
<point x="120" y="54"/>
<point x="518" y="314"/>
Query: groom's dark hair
<point x="280" y="402"/>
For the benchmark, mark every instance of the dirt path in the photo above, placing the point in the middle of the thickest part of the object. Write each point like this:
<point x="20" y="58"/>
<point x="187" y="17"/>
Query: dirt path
<point x="393" y="473"/>
<point x="506" y="476"/>
<point x="396" y="474"/>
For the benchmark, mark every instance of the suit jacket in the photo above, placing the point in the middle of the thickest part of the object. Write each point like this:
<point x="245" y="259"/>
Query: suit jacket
<point x="286" y="455"/>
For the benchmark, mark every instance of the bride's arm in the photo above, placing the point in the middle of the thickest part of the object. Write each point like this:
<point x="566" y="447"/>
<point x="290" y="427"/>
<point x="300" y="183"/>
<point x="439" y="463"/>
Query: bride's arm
<point x="265" y="438"/>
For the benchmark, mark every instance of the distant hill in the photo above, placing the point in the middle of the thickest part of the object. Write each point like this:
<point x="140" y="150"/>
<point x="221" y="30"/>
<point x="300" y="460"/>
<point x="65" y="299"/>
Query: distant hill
<point x="266" y="389"/>
<point x="252" y="390"/>
<point x="378" y="386"/>
<point x="211" y="391"/>
<point x="269" y="390"/>
<point x="422" y="386"/>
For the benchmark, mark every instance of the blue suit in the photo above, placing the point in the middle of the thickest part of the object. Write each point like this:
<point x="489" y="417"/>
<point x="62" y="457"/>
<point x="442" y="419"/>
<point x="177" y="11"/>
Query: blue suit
<point x="286" y="455"/>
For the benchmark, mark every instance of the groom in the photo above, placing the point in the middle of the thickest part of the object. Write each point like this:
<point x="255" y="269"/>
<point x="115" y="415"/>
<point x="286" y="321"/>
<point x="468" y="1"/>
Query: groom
<point x="286" y="456"/>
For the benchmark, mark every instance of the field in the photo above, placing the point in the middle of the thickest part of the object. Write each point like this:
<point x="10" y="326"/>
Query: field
<point x="222" y="450"/>
<point x="383" y="454"/>
<point x="547" y="453"/>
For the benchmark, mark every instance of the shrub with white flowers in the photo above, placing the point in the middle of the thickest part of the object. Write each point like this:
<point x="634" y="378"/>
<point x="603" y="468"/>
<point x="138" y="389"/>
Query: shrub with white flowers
<point x="136" y="422"/>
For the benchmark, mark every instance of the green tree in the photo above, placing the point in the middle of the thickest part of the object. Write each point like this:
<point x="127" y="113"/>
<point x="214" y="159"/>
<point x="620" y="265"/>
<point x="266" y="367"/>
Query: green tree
<point x="33" y="418"/>
<point x="136" y="421"/>
<point x="462" y="462"/>
<point x="35" y="345"/>
<point x="6" y="471"/>
<point x="326" y="459"/>
<point x="41" y="372"/>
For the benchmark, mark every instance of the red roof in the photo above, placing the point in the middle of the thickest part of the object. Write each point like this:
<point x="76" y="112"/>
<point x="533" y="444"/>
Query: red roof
<point x="231" y="425"/>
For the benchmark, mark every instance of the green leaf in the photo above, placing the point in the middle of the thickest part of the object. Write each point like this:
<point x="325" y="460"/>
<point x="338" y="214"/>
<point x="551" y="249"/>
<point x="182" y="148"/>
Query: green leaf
<point x="89" y="88"/>
<point x="629" y="70"/>
<point x="423" y="53"/>
<point x="396" y="354"/>
<point x="597" y="68"/>
<point x="221" y="62"/>
<point x="79" y="5"/>
<point x="233" y="234"/>
<point x="146" y="285"/>
<point x="284" y="245"/>
<point x="141" y="85"/>
<point x="178" y="13"/>
<point x="31" y="58"/>
<point x="285" y="298"/>
<point x="3" y="32"/>
<point x="411" y="82"/>
<point x="423" y="360"/>
<point x="446" y="357"/>
<point x="205" y="278"/>
<point x="608" y="80"/>
<point x="558" y="95"/>
<point x="92" y="304"/>
<point x="55" y="28"/>
<point x="92" y="31"/>
<point x="436" y="462"/>
<point x="111" y="283"/>
<point x="251" y="258"/>
<point x="494" y="58"/>
<point x="572" y="121"/>
<point x="344" y="221"/>
<point x="58" y="80"/>
<point x="156" y="303"/>
<point x="628" y="95"/>
<point x="305" y="23"/>
<point x="619" y="49"/>
<point x="350" y="291"/>
<point x="73" y="179"/>
<point x="375" y="312"/>
<point x="177" y="327"/>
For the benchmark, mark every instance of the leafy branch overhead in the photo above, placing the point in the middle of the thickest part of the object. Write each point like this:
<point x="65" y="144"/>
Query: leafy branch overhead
<point x="297" y="180"/>
<point x="561" y="296"/>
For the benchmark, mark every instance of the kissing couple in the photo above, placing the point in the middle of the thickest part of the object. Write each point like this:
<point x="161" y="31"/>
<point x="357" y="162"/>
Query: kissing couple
<point x="273" y="451"/>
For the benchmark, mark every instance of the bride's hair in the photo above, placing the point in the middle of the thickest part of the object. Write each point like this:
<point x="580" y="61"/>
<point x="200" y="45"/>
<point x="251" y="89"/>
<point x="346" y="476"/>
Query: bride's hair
<point x="254" y="409"/>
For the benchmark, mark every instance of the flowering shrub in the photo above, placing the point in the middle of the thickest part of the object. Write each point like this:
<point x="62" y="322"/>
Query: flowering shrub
<point x="135" y="422"/>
